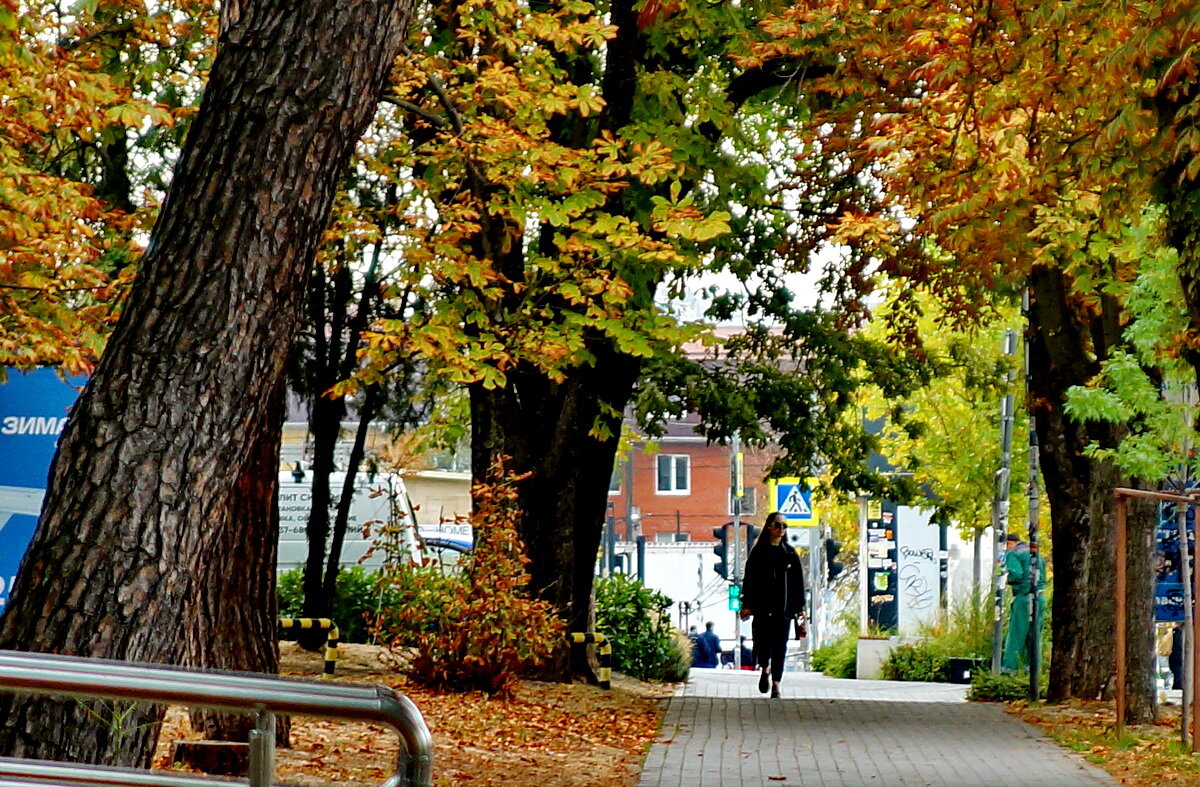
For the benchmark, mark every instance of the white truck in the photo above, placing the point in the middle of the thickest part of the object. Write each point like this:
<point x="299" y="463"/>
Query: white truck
<point x="380" y="509"/>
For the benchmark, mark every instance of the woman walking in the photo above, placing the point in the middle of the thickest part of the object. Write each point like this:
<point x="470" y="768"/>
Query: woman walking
<point x="773" y="592"/>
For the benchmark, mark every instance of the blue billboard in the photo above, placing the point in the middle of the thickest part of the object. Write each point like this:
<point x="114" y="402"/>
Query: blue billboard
<point x="1168" y="573"/>
<point x="33" y="411"/>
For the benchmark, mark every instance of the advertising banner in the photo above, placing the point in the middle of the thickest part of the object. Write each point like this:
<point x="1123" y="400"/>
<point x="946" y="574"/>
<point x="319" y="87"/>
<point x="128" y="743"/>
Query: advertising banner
<point x="33" y="411"/>
<point x="878" y="561"/>
<point x="920" y="565"/>
<point x="1168" y="574"/>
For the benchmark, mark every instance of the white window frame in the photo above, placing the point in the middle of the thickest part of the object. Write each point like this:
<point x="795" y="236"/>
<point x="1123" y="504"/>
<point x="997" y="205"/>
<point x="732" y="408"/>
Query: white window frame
<point x="674" y="459"/>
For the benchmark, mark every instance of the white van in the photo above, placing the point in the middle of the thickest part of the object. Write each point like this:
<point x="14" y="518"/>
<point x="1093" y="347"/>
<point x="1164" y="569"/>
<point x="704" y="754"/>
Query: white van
<point x="378" y="501"/>
<point x="446" y="544"/>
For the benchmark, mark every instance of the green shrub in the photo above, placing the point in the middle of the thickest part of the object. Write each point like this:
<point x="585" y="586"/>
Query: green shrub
<point x="635" y="619"/>
<point x="420" y="592"/>
<point x="923" y="662"/>
<point x="480" y="629"/>
<point x="838" y="659"/>
<point x="965" y="631"/>
<point x="986" y="687"/>
<point x="358" y="600"/>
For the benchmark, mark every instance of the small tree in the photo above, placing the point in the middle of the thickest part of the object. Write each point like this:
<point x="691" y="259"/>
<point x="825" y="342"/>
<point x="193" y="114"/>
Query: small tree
<point x="480" y="630"/>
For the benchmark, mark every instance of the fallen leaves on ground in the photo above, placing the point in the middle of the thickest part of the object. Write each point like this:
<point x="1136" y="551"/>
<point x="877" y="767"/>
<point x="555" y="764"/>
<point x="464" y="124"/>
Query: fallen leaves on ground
<point x="547" y="735"/>
<point x="1147" y="755"/>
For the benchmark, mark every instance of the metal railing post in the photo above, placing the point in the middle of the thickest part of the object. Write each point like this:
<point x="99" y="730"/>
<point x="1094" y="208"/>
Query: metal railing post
<point x="1119" y="632"/>
<point x="262" y="750"/>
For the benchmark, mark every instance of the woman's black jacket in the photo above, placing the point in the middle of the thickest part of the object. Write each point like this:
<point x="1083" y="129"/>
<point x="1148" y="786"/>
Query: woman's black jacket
<point x="774" y="580"/>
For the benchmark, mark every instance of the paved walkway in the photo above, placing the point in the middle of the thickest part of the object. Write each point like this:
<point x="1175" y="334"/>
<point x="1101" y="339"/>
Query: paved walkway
<point x="831" y="732"/>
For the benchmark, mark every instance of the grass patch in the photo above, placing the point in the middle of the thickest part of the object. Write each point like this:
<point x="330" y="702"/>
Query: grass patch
<point x="1146" y="755"/>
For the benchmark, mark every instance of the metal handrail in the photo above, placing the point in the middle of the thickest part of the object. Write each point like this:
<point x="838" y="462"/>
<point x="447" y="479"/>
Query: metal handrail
<point x="261" y="694"/>
<point x="24" y="772"/>
<point x="214" y="677"/>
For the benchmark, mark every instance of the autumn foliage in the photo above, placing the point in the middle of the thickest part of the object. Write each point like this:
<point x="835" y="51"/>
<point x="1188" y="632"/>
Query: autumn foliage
<point x="476" y="631"/>
<point x="76" y="92"/>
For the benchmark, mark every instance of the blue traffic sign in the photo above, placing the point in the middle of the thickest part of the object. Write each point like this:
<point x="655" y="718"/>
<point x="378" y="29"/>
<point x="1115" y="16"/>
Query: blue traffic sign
<point x="793" y="499"/>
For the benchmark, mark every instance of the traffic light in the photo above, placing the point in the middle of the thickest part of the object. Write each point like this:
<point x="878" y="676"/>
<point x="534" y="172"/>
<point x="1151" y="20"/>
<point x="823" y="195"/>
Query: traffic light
<point x="735" y="597"/>
<point x="832" y="567"/>
<point x="721" y="550"/>
<point x="751" y="535"/>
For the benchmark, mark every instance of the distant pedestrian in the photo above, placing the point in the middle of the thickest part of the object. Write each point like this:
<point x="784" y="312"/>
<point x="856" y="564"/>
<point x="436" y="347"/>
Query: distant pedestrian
<point x="1018" y="563"/>
<point x="773" y="593"/>
<point x="708" y="649"/>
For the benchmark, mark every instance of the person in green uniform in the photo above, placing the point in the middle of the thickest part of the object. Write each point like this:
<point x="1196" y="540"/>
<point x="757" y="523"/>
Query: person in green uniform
<point x="1018" y="560"/>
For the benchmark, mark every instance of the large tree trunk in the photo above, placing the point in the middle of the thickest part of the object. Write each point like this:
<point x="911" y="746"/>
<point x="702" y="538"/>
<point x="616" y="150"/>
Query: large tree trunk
<point x="544" y="427"/>
<point x="1066" y="349"/>
<point x="146" y="478"/>
<point x="234" y="618"/>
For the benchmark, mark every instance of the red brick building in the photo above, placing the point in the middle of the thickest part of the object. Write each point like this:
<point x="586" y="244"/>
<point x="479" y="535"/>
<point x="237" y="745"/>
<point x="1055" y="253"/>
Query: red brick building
<point x="681" y="489"/>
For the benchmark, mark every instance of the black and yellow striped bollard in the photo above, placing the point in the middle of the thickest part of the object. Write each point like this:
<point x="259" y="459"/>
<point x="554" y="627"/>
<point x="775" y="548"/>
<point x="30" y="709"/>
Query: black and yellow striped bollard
<point x="603" y="654"/>
<point x="331" y="638"/>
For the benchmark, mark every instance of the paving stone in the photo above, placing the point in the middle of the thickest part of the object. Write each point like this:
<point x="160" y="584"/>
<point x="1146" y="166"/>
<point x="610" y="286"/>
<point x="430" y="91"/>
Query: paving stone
<point x="828" y="732"/>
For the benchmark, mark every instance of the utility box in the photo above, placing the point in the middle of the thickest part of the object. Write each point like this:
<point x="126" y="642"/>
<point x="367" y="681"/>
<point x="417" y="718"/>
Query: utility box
<point x="961" y="670"/>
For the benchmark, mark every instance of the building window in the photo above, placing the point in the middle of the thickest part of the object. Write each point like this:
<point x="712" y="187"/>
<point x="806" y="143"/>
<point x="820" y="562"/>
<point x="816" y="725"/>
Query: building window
<point x="671" y="538"/>
<point x="674" y="475"/>
<point x="614" y="483"/>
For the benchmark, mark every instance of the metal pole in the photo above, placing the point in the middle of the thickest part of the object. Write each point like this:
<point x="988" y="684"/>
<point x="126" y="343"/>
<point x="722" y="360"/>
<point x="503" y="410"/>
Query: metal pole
<point x="735" y="534"/>
<point x="262" y="750"/>
<point x="610" y="541"/>
<point x="629" y="495"/>
<point x="816" y="602"/>
<point x="1035" y="566"/>
<point x="1191" y="651"/>
<point x="1122" y="505"/>
<point x="1035" y="559"/>
<point x="1185" y="571"/>
<point x="1000" y="509"/>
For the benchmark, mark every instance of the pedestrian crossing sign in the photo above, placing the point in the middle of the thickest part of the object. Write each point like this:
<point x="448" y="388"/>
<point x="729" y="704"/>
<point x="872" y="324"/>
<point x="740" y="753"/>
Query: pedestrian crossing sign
<point x="792" y="497"/>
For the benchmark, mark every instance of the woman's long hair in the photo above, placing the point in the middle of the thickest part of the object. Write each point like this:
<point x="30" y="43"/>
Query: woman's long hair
<point x="763" y="536"/>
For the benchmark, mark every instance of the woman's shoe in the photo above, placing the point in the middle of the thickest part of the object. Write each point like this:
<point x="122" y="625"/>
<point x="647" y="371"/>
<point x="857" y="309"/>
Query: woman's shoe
<point x="762" y="682"/>
<point x="775" y="692"/>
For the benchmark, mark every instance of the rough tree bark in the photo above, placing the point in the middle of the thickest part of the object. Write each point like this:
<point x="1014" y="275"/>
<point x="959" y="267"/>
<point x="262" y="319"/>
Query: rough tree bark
<point x="543" y="426"/>
<point x="233" y="612"/>
<point x="143" y="492"/>
<point x="1067" y="346"/>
